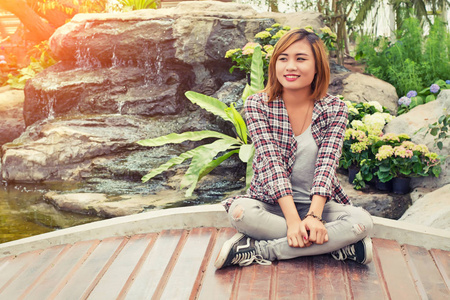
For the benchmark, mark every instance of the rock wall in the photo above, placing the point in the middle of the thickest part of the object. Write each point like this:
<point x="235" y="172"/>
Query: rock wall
<point x="122" y="78"/>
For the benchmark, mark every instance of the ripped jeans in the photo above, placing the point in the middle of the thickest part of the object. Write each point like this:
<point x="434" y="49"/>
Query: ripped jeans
<point x="346" y="224"/>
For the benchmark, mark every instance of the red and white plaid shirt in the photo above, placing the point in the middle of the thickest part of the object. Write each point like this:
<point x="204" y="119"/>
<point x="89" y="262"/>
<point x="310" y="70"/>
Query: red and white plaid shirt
<point x="275" y="146"/>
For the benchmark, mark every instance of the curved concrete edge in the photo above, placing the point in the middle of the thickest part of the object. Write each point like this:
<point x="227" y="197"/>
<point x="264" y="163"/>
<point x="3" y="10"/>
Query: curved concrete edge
<point x="203" y="216"/>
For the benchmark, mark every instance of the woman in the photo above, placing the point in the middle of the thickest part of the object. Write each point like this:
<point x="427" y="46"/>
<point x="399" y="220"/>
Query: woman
<point x="295" y="205"/>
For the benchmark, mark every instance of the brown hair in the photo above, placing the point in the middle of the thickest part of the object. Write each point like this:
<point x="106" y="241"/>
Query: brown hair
<point x="321" y="80"/>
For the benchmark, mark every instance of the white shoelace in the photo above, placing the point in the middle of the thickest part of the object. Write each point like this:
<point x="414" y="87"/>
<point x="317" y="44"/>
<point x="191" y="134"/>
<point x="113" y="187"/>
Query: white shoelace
<point x="246" y="259"/>
<point x="345" y="252"/>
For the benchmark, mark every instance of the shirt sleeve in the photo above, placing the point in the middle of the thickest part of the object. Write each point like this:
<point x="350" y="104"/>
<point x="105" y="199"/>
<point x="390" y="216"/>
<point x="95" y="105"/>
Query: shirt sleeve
<point x="330" y="150"/>
<point x="268" y="165"/>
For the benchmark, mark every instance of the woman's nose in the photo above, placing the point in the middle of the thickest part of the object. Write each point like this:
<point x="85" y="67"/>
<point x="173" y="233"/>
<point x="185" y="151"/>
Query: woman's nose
<point x="291" y="65"/>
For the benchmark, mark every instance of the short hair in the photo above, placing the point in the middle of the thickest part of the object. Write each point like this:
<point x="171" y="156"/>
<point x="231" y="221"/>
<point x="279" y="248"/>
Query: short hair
<point x="321" y="80"/>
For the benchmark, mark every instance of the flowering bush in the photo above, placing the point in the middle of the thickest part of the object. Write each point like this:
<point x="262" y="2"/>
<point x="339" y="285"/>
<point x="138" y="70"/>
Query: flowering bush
<point x="366" y="122"/>
<point x="403" y="158"/>
<point x="414" y="98"/>
<point x="242" y="57"/>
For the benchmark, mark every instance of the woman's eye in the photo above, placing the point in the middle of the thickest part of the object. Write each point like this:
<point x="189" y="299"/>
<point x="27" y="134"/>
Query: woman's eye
<point x="300" y="58"/>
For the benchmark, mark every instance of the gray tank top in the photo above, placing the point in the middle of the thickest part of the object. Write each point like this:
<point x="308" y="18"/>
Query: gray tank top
<point x="303" y="169"/>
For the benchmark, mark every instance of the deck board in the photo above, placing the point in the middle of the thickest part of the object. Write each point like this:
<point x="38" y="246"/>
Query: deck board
<point x="188" y="265"/>
<point x="14" y="267"/>
<point x="442" y="260"/>
<point x="116" y="277"/>
<point x="82" y="279"/>
<point x="146" y="281"/>
<point x="298" y="286"/>
<point x="330" y="279"/>
<point x="49" y="282"/>
<point x="394" y="270"/>
<point x="218" y="284"/>
<point x="31" y="273"/>
<point x="179" y="264"/>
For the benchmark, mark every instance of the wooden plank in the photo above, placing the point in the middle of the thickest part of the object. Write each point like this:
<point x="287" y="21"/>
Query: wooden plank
<point x="442" y="260"/>
<point x="117" y="275"/>
<point x="145" y="282"/>
<point x="393" y="269"/>
<point x="330" y="280"/>
<point x="83" y="280"/>
<point x="218" y="284"/>
<point x="15" y="266"/>
<point x="428" y="280"/>
<point x="365" y="282"/>
<point x="32" y="272"/>
<point x="188" y="265"/>
<point x="255" y="282"/>
<point x="294" y="279"/>
<point x="55" y="278"/>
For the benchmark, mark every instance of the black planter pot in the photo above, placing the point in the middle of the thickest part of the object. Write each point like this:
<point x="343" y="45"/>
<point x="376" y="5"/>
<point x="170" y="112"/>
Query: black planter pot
<point x="400" y="185"/>
<point x="352" y="171"/>
<point x="383" y="186"/>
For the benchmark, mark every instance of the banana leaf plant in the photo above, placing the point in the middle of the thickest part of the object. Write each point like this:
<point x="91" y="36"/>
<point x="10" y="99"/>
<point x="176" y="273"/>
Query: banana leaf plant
<point x="206" y="157"/>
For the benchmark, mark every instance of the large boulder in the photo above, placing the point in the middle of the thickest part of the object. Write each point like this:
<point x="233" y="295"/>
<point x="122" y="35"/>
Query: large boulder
<point x="359" y="87"/>
<point x="419" y="117"/>
<point x="433" y="209"/>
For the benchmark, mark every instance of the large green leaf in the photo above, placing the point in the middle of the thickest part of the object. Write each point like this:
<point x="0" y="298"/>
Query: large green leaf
<point x="257" y="71"/>
<point x="238" y="122"/>
<point x="247" y="92"/>
<point x="209" y="103"/>
<point x="176" y="138"/>
<point x="172" y="162"/>
<point x="246" y="152"/>
<point x="201" y="159"/>
<point x="212" y="165"/>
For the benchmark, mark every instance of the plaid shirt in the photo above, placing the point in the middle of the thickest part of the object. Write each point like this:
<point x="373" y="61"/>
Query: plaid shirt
<point x="275" y="147"/>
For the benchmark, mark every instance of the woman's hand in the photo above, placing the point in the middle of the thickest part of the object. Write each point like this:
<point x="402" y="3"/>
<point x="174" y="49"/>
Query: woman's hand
<point x="317" y="231"/>
<point x="297" y="235"/>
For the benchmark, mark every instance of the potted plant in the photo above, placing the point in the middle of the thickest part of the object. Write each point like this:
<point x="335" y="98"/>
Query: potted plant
<point x="400" y="159"/>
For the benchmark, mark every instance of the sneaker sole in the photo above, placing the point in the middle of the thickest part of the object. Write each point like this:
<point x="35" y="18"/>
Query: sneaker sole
<point x="368" y="250"/>
<point x="223" y="254"/>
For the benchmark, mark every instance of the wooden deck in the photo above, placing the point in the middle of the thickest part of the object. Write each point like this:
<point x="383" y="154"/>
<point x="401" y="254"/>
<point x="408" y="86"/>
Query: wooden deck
<point x="178" y="264"/>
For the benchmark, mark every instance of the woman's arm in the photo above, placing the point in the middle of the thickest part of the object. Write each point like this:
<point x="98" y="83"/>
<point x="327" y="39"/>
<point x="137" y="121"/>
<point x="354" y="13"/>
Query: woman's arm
<point x="330" y="149"/>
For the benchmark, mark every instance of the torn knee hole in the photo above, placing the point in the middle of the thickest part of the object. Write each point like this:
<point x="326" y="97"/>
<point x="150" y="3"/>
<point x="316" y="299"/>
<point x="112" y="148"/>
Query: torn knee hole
<point x="238" y="213"/>
<point x="358" y="228"/>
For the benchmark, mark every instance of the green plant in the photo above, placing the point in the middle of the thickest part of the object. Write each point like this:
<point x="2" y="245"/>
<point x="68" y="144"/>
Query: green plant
<point x="438" y="129"/>
<point x="207" y="157"/>
<point x="413" y="99"/>
<point x="406" y="159"/>
<point x="140" y="4"/>
<point x="413" y="61"/>
<point x="40" y="59"/>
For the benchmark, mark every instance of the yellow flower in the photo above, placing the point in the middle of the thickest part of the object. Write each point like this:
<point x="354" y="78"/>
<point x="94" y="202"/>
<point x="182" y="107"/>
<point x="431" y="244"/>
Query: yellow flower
<point x="231" y="52"/>
<point x="262" y="35"/>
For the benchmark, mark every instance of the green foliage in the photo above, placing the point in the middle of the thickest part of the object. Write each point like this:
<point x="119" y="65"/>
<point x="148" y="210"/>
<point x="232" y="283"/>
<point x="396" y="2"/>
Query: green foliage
<point x="426" y="95"/>
<point x="140" y="4"/>
<point x="413" y="61"/>
<point x="439" y="130"/>
<point x="40" y="59"/>
<point x="206" y="157"/>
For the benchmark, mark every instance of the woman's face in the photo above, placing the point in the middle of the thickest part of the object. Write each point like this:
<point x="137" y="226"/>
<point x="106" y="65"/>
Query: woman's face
<point x="296" y="67"/>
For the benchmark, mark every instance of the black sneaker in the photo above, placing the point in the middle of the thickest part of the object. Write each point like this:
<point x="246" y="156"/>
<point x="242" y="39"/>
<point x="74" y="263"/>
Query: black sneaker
<point x="360" y="252"/>
<point x="239" y="250"/>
